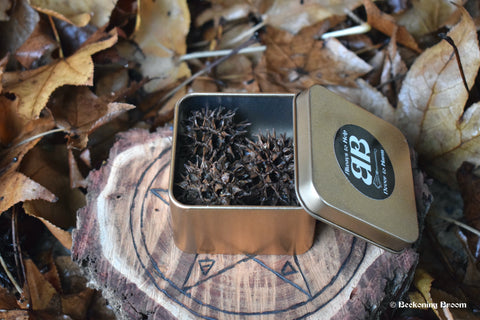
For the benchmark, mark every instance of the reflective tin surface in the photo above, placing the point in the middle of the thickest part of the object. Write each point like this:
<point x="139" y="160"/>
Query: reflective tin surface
<point x="353" y="170"/>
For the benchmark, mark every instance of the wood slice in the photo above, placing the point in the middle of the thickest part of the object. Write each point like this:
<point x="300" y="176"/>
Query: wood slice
<point x="124" y="243"/>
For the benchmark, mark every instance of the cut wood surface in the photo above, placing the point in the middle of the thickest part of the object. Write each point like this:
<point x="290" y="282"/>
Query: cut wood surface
<point x="124" y="244"/>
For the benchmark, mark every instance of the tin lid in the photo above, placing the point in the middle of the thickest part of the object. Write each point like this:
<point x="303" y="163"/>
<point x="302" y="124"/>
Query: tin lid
<point x="353" y="170"/>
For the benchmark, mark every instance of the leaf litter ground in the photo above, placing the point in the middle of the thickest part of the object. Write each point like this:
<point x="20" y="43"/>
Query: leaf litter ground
<point x="71" y="77"/>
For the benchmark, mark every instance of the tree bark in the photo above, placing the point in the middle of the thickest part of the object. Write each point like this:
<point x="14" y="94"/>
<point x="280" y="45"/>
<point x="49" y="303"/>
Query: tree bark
<point x="124" y="244"/>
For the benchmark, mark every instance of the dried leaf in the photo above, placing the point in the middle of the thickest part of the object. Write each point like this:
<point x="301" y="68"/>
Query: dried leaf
<point x="41" y="164"/>
<point x="76" y="178"/>
<point x="77" y="305"/>
<point x="228" y="11"/>
<point x="393" y="72"/>
<point x="431" y="103"/>
<point x="16" y="187"/>
<point x="64" y="237"/>
<point x="14" y="314"/>
<point x="161" y="31"/>
<point x="80" y="112"/>
<point x="5" y="7"/>
<point x="298" y="62"/>
<point x="43" y="295"/>
<point x="368" y="98"/>
<point x="423" y="282"/>
<point x="426" y="16"/>
<point x="21" y="23"/>
<point x="292" y="16"/>
<point x="386" y="24"/>
<point x="79" y="13"/>
<point x="451" y="307"/>
<point x="10" y="123"/>
<point x="27" y="138"/>
<point x="7" y="300"/>
<point x="236" y="75"/>
<point x="34" y="87"/>
<point x="37" y="49"/>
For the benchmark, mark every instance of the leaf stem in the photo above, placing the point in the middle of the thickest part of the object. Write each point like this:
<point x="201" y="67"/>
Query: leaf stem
<point x="207" y="68"/>
<point x="363" y="28"/>
<point x="460" y="224"/>
<point x="57" y="37"/>
<point x="38" y="136"/>
<point x="457" y="56"/>
<point x="246" y="33"/>
<point x="216" y="53"/>
<point x="10" y="276"/>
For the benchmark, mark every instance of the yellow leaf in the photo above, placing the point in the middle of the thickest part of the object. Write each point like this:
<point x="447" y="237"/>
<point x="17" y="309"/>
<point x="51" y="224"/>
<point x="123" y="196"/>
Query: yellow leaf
<point x="423" y="282"/>
<point x="417" y="298"/>
<point x="34" y="87"/>
<point x="432" y="99"/>
<point x="79" y="13"/>
<point x="161" y="31"/>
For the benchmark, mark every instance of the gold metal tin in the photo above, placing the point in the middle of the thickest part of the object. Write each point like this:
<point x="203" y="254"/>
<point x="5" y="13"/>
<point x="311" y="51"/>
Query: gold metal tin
<point x="313" y="119"/>
<point x="239" y="229"/>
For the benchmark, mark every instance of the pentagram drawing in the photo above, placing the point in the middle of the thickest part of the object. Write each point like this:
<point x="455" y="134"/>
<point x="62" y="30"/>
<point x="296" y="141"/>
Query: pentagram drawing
<point x="209" y="285"/>
<point x="126" y="240"/>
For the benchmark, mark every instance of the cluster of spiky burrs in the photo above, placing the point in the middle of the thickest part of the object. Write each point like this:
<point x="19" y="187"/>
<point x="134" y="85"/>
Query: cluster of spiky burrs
<point x="224" y="167"/>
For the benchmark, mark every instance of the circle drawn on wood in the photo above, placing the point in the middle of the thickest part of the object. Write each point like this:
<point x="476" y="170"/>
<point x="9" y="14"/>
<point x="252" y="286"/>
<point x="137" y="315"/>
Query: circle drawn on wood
<point x="124" y="242"/>
<point x="294" y="276"/>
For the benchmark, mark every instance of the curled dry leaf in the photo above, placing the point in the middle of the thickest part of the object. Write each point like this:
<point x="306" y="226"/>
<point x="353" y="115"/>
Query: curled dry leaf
<point x="426" y="16"/>
<point x="79" y="13"/>
<point x="300" y="61"/>
<point x="160" y="33"/>
<point x="34" y="87"/>
<point x="386" y="24"/>
<point x="431" y="103"/>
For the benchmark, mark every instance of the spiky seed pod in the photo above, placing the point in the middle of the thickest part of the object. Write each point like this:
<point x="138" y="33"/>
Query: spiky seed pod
<point x="212" y="133"/>
<point x="220" y="182"/>
<point x="270" y="162"/>
<point x="215" y="143"/>
<point x="226" y="168"/>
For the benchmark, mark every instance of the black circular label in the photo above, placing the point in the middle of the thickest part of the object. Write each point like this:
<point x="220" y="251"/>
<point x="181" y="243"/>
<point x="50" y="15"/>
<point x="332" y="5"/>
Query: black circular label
<point x="364" y="162"/>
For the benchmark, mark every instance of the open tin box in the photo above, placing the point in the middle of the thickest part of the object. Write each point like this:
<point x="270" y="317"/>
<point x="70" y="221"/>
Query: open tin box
<point x="352" y="171"/>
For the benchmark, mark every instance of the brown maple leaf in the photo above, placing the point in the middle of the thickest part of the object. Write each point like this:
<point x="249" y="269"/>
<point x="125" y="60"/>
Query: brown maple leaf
<point x="34" y="87"/>
<point x="300" y="61"/>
